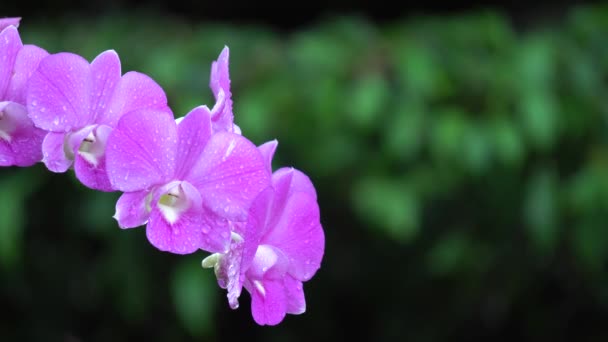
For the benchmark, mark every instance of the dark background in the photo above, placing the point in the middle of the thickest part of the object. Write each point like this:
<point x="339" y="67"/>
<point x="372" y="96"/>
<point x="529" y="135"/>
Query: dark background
<point x="460" y="154"/>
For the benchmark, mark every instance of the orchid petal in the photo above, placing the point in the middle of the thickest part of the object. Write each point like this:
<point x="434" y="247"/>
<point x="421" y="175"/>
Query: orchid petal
<point x="105" y="73"/>
<point x="296" y="302"/>
<point x="132" y="209"/>
<point x="23" y="139"/>
<point x="54" y="154"/>
<point x="268" y="301"/>
<point x="58" y="93"/>
<point x="135" y="91"/>
<point x="27" y="61"/>
<point x="10" y="44"/>
<point x="231" y="173"/>
<point x="183" y="231"/>
<point x="193" y="131"/>
<point x="267" y="149"/>
<point x="6" y="22"/>
<point x="90" y="163"/>
<point x="140" y="151"/>
<point x="299" y="235"/>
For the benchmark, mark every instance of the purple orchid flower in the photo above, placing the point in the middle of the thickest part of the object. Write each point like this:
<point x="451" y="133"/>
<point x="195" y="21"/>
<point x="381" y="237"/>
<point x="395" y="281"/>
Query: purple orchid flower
<point x="280" y="246"/>
<point x="20" y="140"/>
<point x="222" y="118"/>
<point x="188" y="184"/>
<point x="78" y="104"/>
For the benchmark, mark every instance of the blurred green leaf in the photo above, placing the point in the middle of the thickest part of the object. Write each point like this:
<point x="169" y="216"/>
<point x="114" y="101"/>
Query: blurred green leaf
<point x="540" y="211"/>
<point x="195" y="295"/>
<point x="389" y="206"/>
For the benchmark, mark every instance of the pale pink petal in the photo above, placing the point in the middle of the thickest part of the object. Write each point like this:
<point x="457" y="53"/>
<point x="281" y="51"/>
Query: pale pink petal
<point x="267" y="149"/>
<point x="296" y="302"/>
<point x="140" y="151"/>
<point x="58" y="93"/>
<point x="10" y="44"/>
<point x="54" y="153"/>
<point x="5" y="22"/>
<point x="132" y="209"/>
<point x="105" y="73"/>
<point x="23" y="139"/>
<point x="268" y="301"/>
<point x="193" y="132"/>
<point x="231" y="173"/>
<point x="90" y="161"/>
<point x="135" y="91"/>
<point x="299" y="235"/>
<point x="26" y="63"/>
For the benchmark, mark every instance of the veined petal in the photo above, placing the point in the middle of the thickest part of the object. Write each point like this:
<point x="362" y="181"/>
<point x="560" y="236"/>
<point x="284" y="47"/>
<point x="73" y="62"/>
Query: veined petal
<point x="58" y="94"/>
<point x="90" y="161"/>
<point x="20" y="136"/>
<point x="299" y="235"/>
<point x="133" y="209"/>
<point x="268" y="301"/>
<point x="10" y="44"/>
<point x="140" y="151"/>
<point x="231" y="172"/>
<point x="193" y="132"/>
<point x="105" y="73"/>
<point x="135" y="91"/>
<point x="26" y="63"/>
<point x="54" y="154"/>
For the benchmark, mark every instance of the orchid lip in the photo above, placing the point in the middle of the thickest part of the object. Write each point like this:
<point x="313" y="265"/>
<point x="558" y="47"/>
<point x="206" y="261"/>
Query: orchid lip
<point x="4" y="128"/>
<point x="172" y="203"/>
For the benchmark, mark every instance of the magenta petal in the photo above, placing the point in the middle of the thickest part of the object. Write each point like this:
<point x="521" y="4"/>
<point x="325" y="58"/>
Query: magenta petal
<point x="296" y="303"/>
<point x="105" y="73"/>
<point x="267" y="149"/>
<point x="90" y="162"/>
<point x="268" y="301"/>
<point x="193" y="132"/>
<point x="140" y="151"/>
<point x="5" y="22"/>
<point x="54" y="154"/>
<point x="131" y="209"/>
<point x="24" y="139"/>
<point x="299" y="235"/>
<point x="181" y="237"/>
<point x="58" y="93"/>
<point x="220" y="77"/>
<point x="182" y="231"/>
<point x="10" y="44"/>
<point x="288" y="180"/>
<point x="222" y="118"/>
<point x="7" y="157"/>
<point x="135" y="91"/>
<point x="231" y="173"/>
<point x="26" y="63"/>
<point x="215" y="232"/>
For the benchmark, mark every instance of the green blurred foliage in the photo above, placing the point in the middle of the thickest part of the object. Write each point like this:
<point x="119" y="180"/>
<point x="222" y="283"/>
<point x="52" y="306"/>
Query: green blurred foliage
<point x="461" y="165"/>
